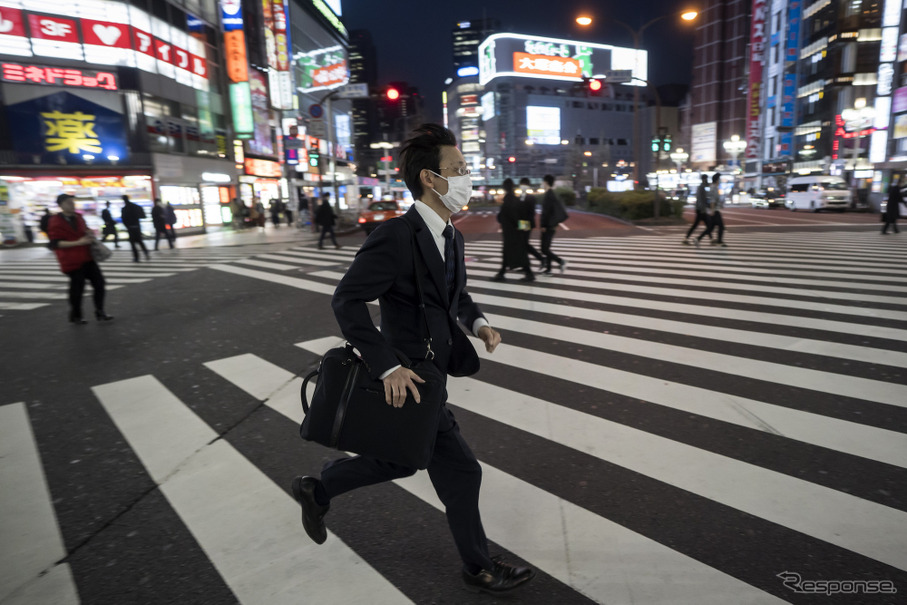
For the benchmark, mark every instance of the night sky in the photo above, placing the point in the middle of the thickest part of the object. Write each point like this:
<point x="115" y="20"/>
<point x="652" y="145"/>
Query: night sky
<point x="413" y="39"/>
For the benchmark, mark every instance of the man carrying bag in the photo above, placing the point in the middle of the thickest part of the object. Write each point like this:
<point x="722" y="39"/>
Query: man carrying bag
<point x="385" y="269"/>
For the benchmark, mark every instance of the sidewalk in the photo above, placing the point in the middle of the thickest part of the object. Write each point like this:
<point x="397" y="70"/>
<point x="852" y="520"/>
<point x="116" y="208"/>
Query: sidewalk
<point x="215" y="237"/>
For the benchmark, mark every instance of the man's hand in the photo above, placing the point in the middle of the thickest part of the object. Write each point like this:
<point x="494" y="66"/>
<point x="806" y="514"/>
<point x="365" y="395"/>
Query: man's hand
<point x="396" y="384"/>
<point x="491" y="338"/>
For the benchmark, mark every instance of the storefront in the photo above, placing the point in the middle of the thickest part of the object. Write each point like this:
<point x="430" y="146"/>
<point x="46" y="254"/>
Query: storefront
<point x="199" y="189"/>
<point x="263" y="181"/>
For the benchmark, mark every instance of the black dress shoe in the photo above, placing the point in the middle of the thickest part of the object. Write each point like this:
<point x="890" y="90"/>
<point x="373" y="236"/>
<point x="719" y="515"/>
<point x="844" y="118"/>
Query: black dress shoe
<point x="498" y="277"/>
<point x="77" y="320"/>
<point x="101" y="316"/>
<point x="501" y="579"/>
<point x="312" y="512"/>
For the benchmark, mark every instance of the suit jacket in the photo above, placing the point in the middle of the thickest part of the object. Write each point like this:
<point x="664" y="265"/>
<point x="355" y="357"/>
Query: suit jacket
<point x="383" y="270"/>
<point x="549" y="210"/>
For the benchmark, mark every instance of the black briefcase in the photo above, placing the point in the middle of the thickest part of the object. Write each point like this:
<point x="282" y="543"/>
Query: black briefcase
<point x="348" y="411"/>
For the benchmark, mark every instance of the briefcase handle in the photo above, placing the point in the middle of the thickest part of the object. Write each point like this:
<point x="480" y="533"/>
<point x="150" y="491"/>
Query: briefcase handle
<point x="305" y="399"/>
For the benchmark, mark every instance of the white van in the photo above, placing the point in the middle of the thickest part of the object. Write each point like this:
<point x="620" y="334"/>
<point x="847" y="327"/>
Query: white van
<point x="817" y="192"/>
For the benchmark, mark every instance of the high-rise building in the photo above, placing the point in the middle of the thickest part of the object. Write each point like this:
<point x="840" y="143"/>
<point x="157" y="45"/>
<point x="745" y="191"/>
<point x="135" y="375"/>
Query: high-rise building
<point x="467" y="35"/>
<point x="718" y="94"/>
<point x="364" y="70"/>
<point x="838" y="70"/>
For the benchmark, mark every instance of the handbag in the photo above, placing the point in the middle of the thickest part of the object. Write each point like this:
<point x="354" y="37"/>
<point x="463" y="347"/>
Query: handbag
<point x="99" y="252"/>
<point x="349" y="412"/>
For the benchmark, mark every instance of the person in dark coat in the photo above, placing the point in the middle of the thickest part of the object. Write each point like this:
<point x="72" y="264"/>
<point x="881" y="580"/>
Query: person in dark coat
<point x="170" y="213"/>
<point x="514" y="254"/>
<point x="528" y="202"/>
<point x="276" y="209"/>
<point x="553" y="214"/>
<point x="161" y="226"/>
<point x="893" y="209"/>
<point x="131" y="215"/>
<point x="702" y="206"/>
<point x="70" y="239"/>
<point x="325" y="218"/>
<point x="110" y="226"/>
<point x="436" y="173"/>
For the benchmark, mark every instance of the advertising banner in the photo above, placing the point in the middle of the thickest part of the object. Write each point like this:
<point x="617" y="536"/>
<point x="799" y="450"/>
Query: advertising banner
<point x="64" y="128"/>
<point x="555" y="59"/>
<point x="754" y="91"/>
<point x="323" y="69"/>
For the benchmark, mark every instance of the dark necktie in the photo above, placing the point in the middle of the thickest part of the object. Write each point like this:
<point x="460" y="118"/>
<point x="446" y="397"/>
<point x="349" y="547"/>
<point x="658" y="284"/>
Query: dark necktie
<point x="449" y="264"/>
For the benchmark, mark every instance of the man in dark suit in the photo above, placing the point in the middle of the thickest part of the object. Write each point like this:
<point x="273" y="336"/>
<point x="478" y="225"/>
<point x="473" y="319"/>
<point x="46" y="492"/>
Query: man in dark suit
<point x="553" y="214"/>
<point x="437" y="175"/>
<point x="527" y="200"/>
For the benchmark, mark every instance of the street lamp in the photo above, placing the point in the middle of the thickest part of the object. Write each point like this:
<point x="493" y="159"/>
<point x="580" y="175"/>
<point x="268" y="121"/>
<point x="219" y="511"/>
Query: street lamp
<point x="734" y="147"/>
<point x="856" y="120"/>
<point x="686" y="15"/>
<point x="679" y="157"/>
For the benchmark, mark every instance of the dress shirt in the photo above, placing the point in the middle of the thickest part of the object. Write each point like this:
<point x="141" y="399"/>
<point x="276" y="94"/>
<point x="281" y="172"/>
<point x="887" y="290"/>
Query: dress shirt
<point x="436" y="227"/>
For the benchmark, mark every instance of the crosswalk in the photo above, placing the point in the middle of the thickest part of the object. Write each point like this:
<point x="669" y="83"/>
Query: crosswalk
<point x="662" y="425"/>
<point x="33" y="283"/>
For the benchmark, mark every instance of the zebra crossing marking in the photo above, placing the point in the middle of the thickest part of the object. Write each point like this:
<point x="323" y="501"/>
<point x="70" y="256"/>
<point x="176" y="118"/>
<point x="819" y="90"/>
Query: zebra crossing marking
<point x="211" y="486"/>
<point x="546" y="520"/>
<point x="32" y="546"/>
<point x="815" y="510"/>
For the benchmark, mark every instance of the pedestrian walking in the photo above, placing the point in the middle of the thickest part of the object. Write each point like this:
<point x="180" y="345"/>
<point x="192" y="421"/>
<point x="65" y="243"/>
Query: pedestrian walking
<point x="260" y="213"/>
<point x="110" y="226"/>
<point x="171" y="221"/>
<point x="288" y="211"/>
<point x="161" y="225"/>
<point x="325" y="218"/>
<point x="553" y="214"/>
<point x="131" y="215"/>
<point x="701" y="208"/>
<point x="44" y="222"/>
<point x="513" y="252"/>
<point x="303" y="208"/>
<point x="528" y="203"/>
<point x="716" y="203"/>
<point x="436" y="173"/>
<point x="71" y="240"/>
<point x="893" y="207"/>
<point x="276" y="209"/>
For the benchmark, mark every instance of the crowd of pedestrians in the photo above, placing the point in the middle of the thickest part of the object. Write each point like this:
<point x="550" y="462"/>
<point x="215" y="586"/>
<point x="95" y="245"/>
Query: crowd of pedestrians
<point x="709" y="204"/>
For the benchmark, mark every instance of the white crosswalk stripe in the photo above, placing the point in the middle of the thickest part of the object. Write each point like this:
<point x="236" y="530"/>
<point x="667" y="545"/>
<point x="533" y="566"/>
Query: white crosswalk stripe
<point x="700" y="378"/>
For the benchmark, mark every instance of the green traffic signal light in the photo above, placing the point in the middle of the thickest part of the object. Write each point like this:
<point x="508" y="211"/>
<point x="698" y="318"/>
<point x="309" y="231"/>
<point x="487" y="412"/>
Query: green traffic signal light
<point x="656" y="145"/>
<point x="666" y="143"/>
<point x="313" y="160"/>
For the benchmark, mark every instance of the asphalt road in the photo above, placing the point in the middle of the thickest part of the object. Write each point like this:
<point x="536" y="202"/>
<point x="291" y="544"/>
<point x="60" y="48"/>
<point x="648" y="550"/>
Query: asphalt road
<point x="662" y="424"/>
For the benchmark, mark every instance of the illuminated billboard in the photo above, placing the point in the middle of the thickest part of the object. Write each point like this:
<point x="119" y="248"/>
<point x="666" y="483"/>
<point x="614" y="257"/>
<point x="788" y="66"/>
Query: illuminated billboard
<point x="543" y="125"/>
<point x="322" y="69"/>
<point x="554" y="59"/>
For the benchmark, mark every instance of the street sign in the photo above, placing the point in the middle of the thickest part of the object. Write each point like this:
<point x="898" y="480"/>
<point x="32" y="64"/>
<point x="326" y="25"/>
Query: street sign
<point x="317" y="129"/>
<point x="353" y="91"/>
<point x="316" y="110"/>
<point x="618" y="76"/>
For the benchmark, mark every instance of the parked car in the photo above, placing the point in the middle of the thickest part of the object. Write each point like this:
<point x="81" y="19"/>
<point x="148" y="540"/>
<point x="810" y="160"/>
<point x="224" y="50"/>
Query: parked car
<point x="768" y="198"/>
<point x="378" y="212"/>
<point x="818" y="192"/>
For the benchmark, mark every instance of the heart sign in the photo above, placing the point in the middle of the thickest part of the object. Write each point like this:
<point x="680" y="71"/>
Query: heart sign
<point x="108" y="34"/>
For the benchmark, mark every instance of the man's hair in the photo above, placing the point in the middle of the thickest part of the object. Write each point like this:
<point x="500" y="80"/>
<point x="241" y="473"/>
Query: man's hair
<point x="525" y="181"/>
<point x="423" y="151"/>
<point x="705" y="178"/>
<point x="508" y="185"/>
<point x="126" y="198"/>
<point x="716" y="177"/>
<point x="548" y="179"/>
<point x="63" y="197"/>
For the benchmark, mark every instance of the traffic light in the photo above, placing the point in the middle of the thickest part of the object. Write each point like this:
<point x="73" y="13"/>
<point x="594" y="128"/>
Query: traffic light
<point x="666" y="143"/>
<point x="511" y="159"/>
<point x="392" y="94"/>
<point x="595" y="87"/>
<point x="656" y="144"/>
<point x="313" y="159"/>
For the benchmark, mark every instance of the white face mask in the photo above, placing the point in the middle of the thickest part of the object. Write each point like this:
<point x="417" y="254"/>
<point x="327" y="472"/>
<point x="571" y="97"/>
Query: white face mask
<point x="459" y="190"/>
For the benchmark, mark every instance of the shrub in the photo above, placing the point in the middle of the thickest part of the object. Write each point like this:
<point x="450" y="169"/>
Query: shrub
<point x="567" y="195"/>
<point x="631" y="205"/>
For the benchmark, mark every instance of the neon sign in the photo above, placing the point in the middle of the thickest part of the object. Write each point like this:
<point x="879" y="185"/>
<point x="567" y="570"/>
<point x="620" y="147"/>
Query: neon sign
<point x="57" y="76"/>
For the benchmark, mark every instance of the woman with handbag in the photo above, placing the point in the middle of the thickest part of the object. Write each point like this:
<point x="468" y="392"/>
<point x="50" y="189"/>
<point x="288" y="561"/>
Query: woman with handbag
<point x="71" y="241"/>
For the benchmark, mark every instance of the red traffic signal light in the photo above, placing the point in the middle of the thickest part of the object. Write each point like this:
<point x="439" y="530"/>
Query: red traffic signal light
<point x="393" y="94"/>
<point x="511" y="159"/>
<point x="595" y="85"/>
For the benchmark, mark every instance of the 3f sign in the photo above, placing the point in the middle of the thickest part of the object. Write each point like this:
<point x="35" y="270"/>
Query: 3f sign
<point x="55" y="28"/>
